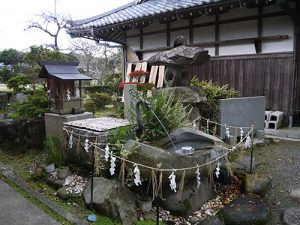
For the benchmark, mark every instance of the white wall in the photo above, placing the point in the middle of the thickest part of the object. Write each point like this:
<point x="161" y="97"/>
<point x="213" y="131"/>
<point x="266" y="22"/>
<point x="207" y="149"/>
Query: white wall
<point x="281" y="25"/>
<point x="155" y="40"/>
<point x="278" y="26"/>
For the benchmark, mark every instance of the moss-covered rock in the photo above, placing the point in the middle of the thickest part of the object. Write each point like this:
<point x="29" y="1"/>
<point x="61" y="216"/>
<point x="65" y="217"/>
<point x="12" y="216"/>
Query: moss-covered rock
<point x="245" y="210"/>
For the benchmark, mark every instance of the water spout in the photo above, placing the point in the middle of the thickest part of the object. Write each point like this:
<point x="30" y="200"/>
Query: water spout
<point x="139" y="130"/>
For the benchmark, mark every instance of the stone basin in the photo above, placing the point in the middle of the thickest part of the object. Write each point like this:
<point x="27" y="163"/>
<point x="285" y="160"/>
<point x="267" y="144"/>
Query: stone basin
<point x="206" y="148"/>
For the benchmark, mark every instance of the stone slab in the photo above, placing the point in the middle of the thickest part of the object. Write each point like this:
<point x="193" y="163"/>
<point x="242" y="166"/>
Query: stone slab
<point x="16" y="210"/>
<point x="242" y="112"/>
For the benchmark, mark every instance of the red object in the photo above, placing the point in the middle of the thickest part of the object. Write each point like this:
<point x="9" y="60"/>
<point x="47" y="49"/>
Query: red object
<point x="122" y="84"/>
<point x="138" y="73"/>
<point x="139" y="85"/>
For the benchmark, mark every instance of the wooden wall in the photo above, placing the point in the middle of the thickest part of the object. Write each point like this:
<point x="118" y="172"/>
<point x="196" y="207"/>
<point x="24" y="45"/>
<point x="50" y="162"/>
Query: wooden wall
<point x="269" y="75"/>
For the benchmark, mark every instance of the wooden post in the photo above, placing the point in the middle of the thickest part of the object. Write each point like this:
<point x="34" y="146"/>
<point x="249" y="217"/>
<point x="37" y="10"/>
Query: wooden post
<point x="217" y="34"/>
<point x="80" y="94"/>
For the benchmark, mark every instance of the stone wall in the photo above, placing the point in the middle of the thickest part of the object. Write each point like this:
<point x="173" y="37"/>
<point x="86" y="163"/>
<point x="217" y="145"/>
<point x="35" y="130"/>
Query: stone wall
<point x="20" y="135"/>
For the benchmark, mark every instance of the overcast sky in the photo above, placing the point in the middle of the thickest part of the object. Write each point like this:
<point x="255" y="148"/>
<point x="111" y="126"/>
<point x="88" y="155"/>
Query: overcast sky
<point x="15" y="15"/>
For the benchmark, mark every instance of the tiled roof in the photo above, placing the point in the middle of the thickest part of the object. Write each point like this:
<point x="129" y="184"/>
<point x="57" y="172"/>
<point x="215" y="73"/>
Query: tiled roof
<point x="139" y="9"/>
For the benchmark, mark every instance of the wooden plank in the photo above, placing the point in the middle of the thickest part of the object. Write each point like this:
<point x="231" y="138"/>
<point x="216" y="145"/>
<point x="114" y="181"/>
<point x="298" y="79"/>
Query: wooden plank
<point x="226" y="42"/>
<point x="128" y="71"/>
<point x="161" y="74"/>
<point x="153" y="74"/>
<point x="143" y="67"/>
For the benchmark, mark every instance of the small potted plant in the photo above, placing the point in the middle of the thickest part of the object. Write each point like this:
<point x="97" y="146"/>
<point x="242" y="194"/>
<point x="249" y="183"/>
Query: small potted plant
<point x="145" y="203"/>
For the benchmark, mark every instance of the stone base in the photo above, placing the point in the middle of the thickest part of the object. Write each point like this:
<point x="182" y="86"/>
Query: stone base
<point x="54" y="123"/>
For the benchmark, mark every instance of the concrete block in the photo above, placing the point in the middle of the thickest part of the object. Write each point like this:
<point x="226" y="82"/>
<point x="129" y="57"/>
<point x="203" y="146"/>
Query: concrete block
<point x="54" y="123"/>
<point x="273" y="125"/>
<point x="276" y="116"/>
<point x="267" y="115"/>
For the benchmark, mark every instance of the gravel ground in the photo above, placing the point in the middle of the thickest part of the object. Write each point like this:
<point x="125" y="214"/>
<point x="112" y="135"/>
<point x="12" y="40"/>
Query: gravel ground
<point x="281" y="160"/>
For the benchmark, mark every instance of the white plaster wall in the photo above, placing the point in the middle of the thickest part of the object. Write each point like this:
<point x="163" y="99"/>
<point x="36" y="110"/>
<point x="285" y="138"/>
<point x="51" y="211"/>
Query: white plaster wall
<point x="272" y="8"/>
<point x="238" y="30"/>
<point x="204" y="34"/>
<point x="211" y="51"/>
<point x="179" y="23"/>
<point x="204" y="19"/>
<point x="238" y="49"/>
<point x="155" y="40"/>
<point x="175" y="34"/>
<point x="133" y="31"/>
<point x="134" y="43"/>
<point x="278" y="26"/>
<point x="238" y="12"/>
<point x="147" y="55"/>
<point x="154" y="27"/>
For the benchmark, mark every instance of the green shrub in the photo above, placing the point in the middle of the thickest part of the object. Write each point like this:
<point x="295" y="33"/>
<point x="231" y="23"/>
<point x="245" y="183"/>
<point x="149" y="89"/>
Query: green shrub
<point x="35" y="106"/>
<point x="90" y="106"/>
<point x="213" y="92"/>
<point x="112" y="90"/>
<point x="55" y="151"/>
<point x="101" y="99"/>
<point x="169" y="110"/>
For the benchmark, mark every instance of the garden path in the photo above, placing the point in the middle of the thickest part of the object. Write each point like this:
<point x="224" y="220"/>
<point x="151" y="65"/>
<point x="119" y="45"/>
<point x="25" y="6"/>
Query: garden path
<point x="16" y="210"/>
<point x="281" y="160"/>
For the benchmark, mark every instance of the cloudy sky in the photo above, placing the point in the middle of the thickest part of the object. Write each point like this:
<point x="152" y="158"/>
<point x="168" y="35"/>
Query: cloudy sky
<point x="15" y="16"/>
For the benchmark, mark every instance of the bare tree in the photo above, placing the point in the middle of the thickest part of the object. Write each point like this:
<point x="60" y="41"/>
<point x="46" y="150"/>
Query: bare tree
<point x="52" y="25"/>
<point x="86" y="51"/>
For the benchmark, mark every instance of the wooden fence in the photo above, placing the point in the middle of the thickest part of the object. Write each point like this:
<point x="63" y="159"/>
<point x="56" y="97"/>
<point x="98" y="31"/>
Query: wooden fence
<point x="270" y="75"/>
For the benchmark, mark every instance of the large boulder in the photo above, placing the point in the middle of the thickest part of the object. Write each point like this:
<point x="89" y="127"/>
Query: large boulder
<point x="256" y="184"/>
<point x="180" y="56"/>
<point x="245" y="210"/>
<point x="192" y="198"/>
<point x="241" y="165"/>
<point x="207" y="148"/>
<point x="112" y="199"/>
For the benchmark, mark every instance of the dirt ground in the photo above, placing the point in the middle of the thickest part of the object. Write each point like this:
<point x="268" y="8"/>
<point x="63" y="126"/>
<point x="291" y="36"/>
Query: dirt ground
<point x="281" y="160"/>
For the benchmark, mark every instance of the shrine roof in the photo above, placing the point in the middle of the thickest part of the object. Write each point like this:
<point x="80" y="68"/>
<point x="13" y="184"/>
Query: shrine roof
<point x="62" y="70"/>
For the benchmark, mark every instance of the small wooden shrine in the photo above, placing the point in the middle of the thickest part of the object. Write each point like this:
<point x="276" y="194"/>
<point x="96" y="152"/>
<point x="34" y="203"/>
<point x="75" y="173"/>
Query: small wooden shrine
<point x="64" y="85"/>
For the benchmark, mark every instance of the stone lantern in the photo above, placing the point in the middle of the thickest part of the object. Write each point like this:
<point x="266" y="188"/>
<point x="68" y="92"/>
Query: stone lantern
<point x="64" y="83"/>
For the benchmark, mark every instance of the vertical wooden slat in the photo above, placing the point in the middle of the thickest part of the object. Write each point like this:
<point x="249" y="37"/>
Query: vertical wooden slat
<point x="161" y="73"/>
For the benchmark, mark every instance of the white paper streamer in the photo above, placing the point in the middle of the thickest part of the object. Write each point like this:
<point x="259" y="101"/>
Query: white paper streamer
<point x="218" y="170"/>
<point x="71" y="140"/>
<point x="207" y="126"/>
<point x="172" y="179"/>
<point x="227" y="132"/>
<point x="248" y="142"/>
<point x="137" y="175"/>
<point x="86" y="145"/>
<point x="112" y="164"/>
<point x="198" y="178"/>
<point x="68" y="95"/>
<point x="106" y="155"/>
<point x="241" y="132"/>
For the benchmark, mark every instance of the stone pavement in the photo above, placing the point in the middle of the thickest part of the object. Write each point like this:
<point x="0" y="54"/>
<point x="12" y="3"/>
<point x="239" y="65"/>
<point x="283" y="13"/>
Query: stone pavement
<point x="286" y="133"/>
<point x="16" y="210"/>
